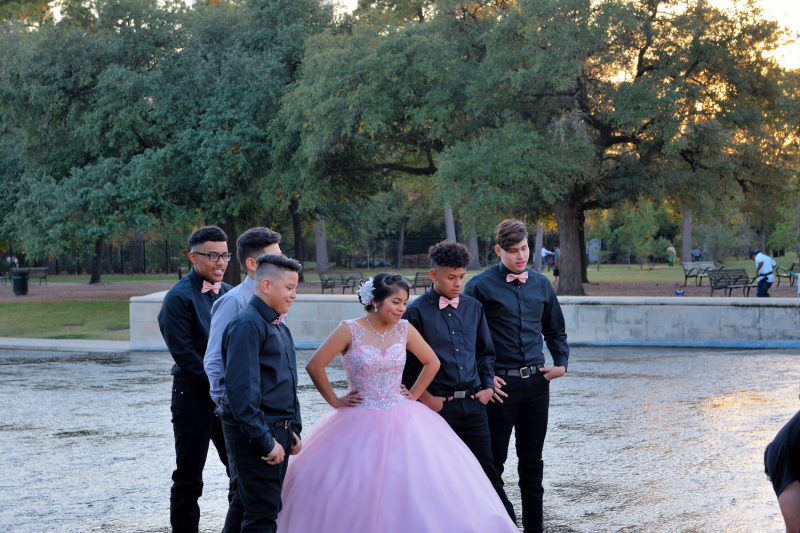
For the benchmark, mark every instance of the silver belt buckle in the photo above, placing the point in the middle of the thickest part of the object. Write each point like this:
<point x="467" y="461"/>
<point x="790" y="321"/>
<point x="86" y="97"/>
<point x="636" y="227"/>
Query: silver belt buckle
<point x="460" y="394"/>
<point x="522" y="372"/>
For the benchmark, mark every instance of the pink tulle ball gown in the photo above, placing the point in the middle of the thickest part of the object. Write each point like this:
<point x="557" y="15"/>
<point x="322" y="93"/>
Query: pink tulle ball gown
<point x="388" y="465"/>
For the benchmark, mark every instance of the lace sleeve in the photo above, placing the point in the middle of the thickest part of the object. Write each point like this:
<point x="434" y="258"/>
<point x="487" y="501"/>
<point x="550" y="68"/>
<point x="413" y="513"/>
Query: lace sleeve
<point x="401" y="330"/>
<point x="356" y="332"/>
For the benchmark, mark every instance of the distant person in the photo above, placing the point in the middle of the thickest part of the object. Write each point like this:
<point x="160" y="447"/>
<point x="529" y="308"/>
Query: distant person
<point x="696" y="253"/>
<point x="679" y="289"/>
<point x="545" y="253"/>
<point x="671" y="254"/>
<point x="184" y="321"/>
<point x="764" y="275"/>
<point x="251" y="245"/>
<point x="782" y="465"/>
<point x="705" y="253"/>
<point x="556" y="262"/>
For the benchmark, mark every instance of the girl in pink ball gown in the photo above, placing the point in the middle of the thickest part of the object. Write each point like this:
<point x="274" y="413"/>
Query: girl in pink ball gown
<point x="381" y="462"/>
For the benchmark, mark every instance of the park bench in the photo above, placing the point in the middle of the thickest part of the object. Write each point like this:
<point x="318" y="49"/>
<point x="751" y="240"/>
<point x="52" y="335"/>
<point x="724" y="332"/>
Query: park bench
<point x="182" y="271"/>
<point x="698" y="271"/>
<point x="781" y="272"/>
<point x="33" y="272"/>
<point x="420" y="279"/>
<point x="5" y="277"/>
<point x="345" y="280"/>
<point x="729" y="279"/>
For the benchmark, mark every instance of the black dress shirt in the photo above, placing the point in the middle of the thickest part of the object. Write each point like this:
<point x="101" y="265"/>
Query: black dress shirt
<point x="459" y="337"/>
<point x="184" y="321"/>
<point x="259" y="375"/>
<point x="518" y="315"/>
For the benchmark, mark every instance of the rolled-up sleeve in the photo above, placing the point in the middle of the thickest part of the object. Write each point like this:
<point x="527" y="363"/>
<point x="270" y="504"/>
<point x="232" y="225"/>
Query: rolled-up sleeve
<point x="243" y="383"/>
<point x="221" y="315"/>
<point x="554" y="330"/>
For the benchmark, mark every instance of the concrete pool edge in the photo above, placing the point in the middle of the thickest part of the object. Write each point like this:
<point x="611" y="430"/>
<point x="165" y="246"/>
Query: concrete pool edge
<point x="64" y="345"/>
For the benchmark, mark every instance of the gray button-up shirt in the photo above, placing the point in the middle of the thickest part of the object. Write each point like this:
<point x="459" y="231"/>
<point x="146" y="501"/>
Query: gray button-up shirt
<point x="222" y="313"/>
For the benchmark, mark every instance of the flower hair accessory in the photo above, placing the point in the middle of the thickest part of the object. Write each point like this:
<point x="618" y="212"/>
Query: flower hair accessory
<point x="365" y="292"/>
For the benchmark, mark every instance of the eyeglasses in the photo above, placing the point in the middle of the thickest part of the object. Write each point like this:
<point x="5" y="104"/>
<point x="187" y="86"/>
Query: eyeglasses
<point x="214" y="256"/>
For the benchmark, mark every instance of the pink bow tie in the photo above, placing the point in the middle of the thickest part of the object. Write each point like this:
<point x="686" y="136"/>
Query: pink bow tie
<point x="279" y="319"/>
<point x="444" y="302"/>
<point x="211" y="287"/>
<point x="521" y="277"/>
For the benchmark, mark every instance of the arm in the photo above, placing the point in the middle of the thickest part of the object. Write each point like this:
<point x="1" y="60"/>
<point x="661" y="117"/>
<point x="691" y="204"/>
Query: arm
<point x="484" y="353"/>
<point x="221" y="314"/>
<point x="413" y="366"/>
<point x="336" y="343"/>
<point x="176" y="328"/>
<point x="243" y="384"/>
<point x="430" y="363"/>
<point x="555" y="335"/>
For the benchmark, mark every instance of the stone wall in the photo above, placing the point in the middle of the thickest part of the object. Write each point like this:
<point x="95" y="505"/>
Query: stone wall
<point x="709" y="322"/>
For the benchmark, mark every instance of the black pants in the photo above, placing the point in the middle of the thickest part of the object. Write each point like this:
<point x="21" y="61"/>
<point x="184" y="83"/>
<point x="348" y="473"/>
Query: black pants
<point x="469" y="421"/>
<point x="763" y="288"/>
<point x="525" y="412"/>
<point x="194" y="424"/>
<point x="258" y="484"/>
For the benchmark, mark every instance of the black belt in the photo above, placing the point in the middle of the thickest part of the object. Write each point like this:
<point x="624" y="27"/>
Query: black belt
<point x="524" y="372"/>
<point x="452" y="393"/>
<point x="286" y="424"/>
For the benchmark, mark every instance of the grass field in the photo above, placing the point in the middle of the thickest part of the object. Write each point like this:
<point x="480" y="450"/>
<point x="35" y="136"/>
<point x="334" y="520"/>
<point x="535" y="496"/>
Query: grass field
<point x="65" y="320"/>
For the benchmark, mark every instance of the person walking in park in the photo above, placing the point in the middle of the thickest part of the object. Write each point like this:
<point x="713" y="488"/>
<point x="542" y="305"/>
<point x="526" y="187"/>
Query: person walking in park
<point x="521" y="310"/>
<point x="184" y="321"/>
<point x="556" y="262"/>
<point x="260" y="410"/>
<point x="696" y="253"/>
<point x="764" y="275"/>
<point x="251" y="245"/>
<point x="671" y="254"/>
<point x="455" y="327"/>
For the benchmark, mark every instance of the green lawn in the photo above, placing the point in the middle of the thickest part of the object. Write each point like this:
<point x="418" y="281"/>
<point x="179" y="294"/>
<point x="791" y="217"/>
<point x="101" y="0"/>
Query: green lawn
<point x="48" y="320"/>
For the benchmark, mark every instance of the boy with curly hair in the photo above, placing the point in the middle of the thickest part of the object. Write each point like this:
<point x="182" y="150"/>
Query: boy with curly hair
<point x="455" y="327"/>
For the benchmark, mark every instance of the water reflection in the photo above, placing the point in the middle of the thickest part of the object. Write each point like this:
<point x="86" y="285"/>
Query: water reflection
<point x="640" y="440"/>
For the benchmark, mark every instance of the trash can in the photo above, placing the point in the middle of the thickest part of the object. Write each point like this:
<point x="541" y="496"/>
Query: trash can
<point x="20" y="280"/>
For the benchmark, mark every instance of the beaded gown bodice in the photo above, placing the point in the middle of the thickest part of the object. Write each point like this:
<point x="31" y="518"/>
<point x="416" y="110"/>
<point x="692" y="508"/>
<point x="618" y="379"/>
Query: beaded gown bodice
<point x="375" y="368"/>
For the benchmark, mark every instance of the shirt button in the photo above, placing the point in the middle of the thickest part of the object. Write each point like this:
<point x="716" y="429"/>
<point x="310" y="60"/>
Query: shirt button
<point x="456" y="349"/>
<point x="453" y="332"/>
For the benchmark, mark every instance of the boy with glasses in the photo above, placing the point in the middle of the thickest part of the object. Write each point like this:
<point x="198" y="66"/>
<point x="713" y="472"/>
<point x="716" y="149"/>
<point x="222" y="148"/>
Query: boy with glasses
<point x="184" y="321"/>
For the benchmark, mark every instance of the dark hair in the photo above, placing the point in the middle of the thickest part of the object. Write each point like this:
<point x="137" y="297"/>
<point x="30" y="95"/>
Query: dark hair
<point x="449" y="254"/>
<point x="278" y="261"/>
<point x="555" y="245"/>
<point x="206" y="234"/>
<point x="752" y="253"/>
<point x="252" y="242"/>
<point x="384" y="285"/>
<point x="510" y="232"/>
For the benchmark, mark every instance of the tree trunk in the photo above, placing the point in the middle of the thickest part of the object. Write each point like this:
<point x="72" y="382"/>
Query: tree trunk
<point x="233" y="272"/>
<point x="294" y="210"/>
<point x="401" y="242"/>
<point x="449" y="225"/>
<point x="166" y="256"/>
<point x="686" y="236"/>
<point x="137" y="261"/>
<point x="97" y="261"/>
<point x="762" y="233"/>
<point x="569" y="282"/>
<point x="472" y="244"/>
<point x="582" y="242"/>
<point x="321" y="243"/>
<point x="537" y="248"/>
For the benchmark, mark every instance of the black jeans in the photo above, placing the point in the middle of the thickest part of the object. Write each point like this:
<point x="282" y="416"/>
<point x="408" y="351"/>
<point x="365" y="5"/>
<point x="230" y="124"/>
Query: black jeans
<point x="469" y="421"/>
<point x="194" y="424"/>
<point x="763" y="287"/>
<point x="257" y="497"/>
<point x="525" y="412"/>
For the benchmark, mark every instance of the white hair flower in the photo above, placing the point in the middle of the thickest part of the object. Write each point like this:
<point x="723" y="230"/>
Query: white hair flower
<point x="365" y="292"/>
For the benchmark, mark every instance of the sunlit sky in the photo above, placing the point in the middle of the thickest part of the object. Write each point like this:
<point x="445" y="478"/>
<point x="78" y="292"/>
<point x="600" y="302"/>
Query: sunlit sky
<point x="785" y="11"/>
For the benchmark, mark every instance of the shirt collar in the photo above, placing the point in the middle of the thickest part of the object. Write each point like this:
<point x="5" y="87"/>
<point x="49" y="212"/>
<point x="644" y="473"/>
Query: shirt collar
<point x="264" y="310"/>
<point x="249" y="283"/>
<point x="196" y="279"/>
<point x="504" y="271"/>
<point x="433" y="295"/>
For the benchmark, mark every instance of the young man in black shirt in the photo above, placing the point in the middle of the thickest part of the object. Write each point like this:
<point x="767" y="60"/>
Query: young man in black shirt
<point x="521" y="308"/>
<point x="260" y="410"/>
<point x="455" y="327"/>
<point x="184" y="320"/>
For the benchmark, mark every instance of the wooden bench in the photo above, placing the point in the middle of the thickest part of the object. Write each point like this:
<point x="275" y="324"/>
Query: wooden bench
<point x="182" y="271"/>
<point x="781" y="272"/>
<point x="698" y="271"/>
<point x="728" y="280"/>
<point x="33" y="273"/>
<point x="345" y="280"/>
<point x="5" y="277"/>
<point x="421" y="279"/>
